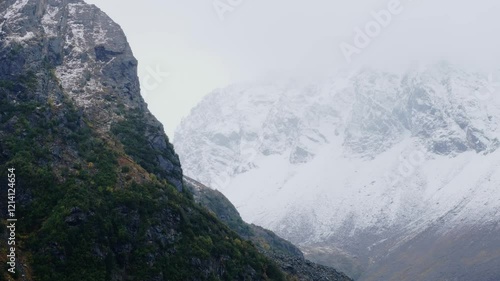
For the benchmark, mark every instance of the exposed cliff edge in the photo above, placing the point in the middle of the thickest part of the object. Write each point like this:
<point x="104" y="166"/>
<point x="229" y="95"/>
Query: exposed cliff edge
<point x="88" y="60"/>
<point x="99" y="187"/>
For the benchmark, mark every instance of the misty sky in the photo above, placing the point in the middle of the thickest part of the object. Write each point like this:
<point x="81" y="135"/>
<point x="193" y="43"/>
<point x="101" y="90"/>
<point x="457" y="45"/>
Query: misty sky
<point x="185" y="50"/>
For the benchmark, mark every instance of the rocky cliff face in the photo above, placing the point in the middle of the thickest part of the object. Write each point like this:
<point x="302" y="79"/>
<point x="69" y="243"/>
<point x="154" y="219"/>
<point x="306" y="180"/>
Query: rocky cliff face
<point x="92" y="64"/>
<point x="99" y="192"/>
<point x="356" y="167"/>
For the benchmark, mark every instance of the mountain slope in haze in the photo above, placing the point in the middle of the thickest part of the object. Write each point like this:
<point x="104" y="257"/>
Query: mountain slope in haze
<point x="227" y="213"/>
<point x="285" y="254"/>
<point x="99" y="192"/>
<point x="361" y="168"/>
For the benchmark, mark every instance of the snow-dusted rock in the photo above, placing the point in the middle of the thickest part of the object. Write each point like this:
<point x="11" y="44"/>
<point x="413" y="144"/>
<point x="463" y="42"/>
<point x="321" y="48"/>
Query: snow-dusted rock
<point x="89" y="57"/>
<point x="363" y="162"/>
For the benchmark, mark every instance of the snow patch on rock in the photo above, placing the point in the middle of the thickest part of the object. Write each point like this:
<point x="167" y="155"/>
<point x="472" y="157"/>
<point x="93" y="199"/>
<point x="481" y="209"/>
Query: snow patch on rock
<point x="365" y="151"/>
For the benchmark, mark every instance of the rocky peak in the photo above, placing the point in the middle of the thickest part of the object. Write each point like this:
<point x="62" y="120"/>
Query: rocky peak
<point x="368" y="112"/>
<point x="439" y="105"/>
<point x="92" y="61"/>
<point x="359" y="161"/>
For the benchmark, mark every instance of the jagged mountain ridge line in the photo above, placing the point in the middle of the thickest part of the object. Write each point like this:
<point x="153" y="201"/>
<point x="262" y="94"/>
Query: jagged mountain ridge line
<point x="366" y="156"/>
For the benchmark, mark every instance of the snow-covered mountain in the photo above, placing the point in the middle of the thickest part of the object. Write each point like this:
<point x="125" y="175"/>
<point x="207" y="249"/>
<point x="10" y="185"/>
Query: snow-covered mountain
<point x="380" y="174"/>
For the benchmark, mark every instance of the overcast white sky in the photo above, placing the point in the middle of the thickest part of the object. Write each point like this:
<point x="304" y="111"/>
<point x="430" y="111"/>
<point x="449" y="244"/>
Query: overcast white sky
<point x="187" y="39"/>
